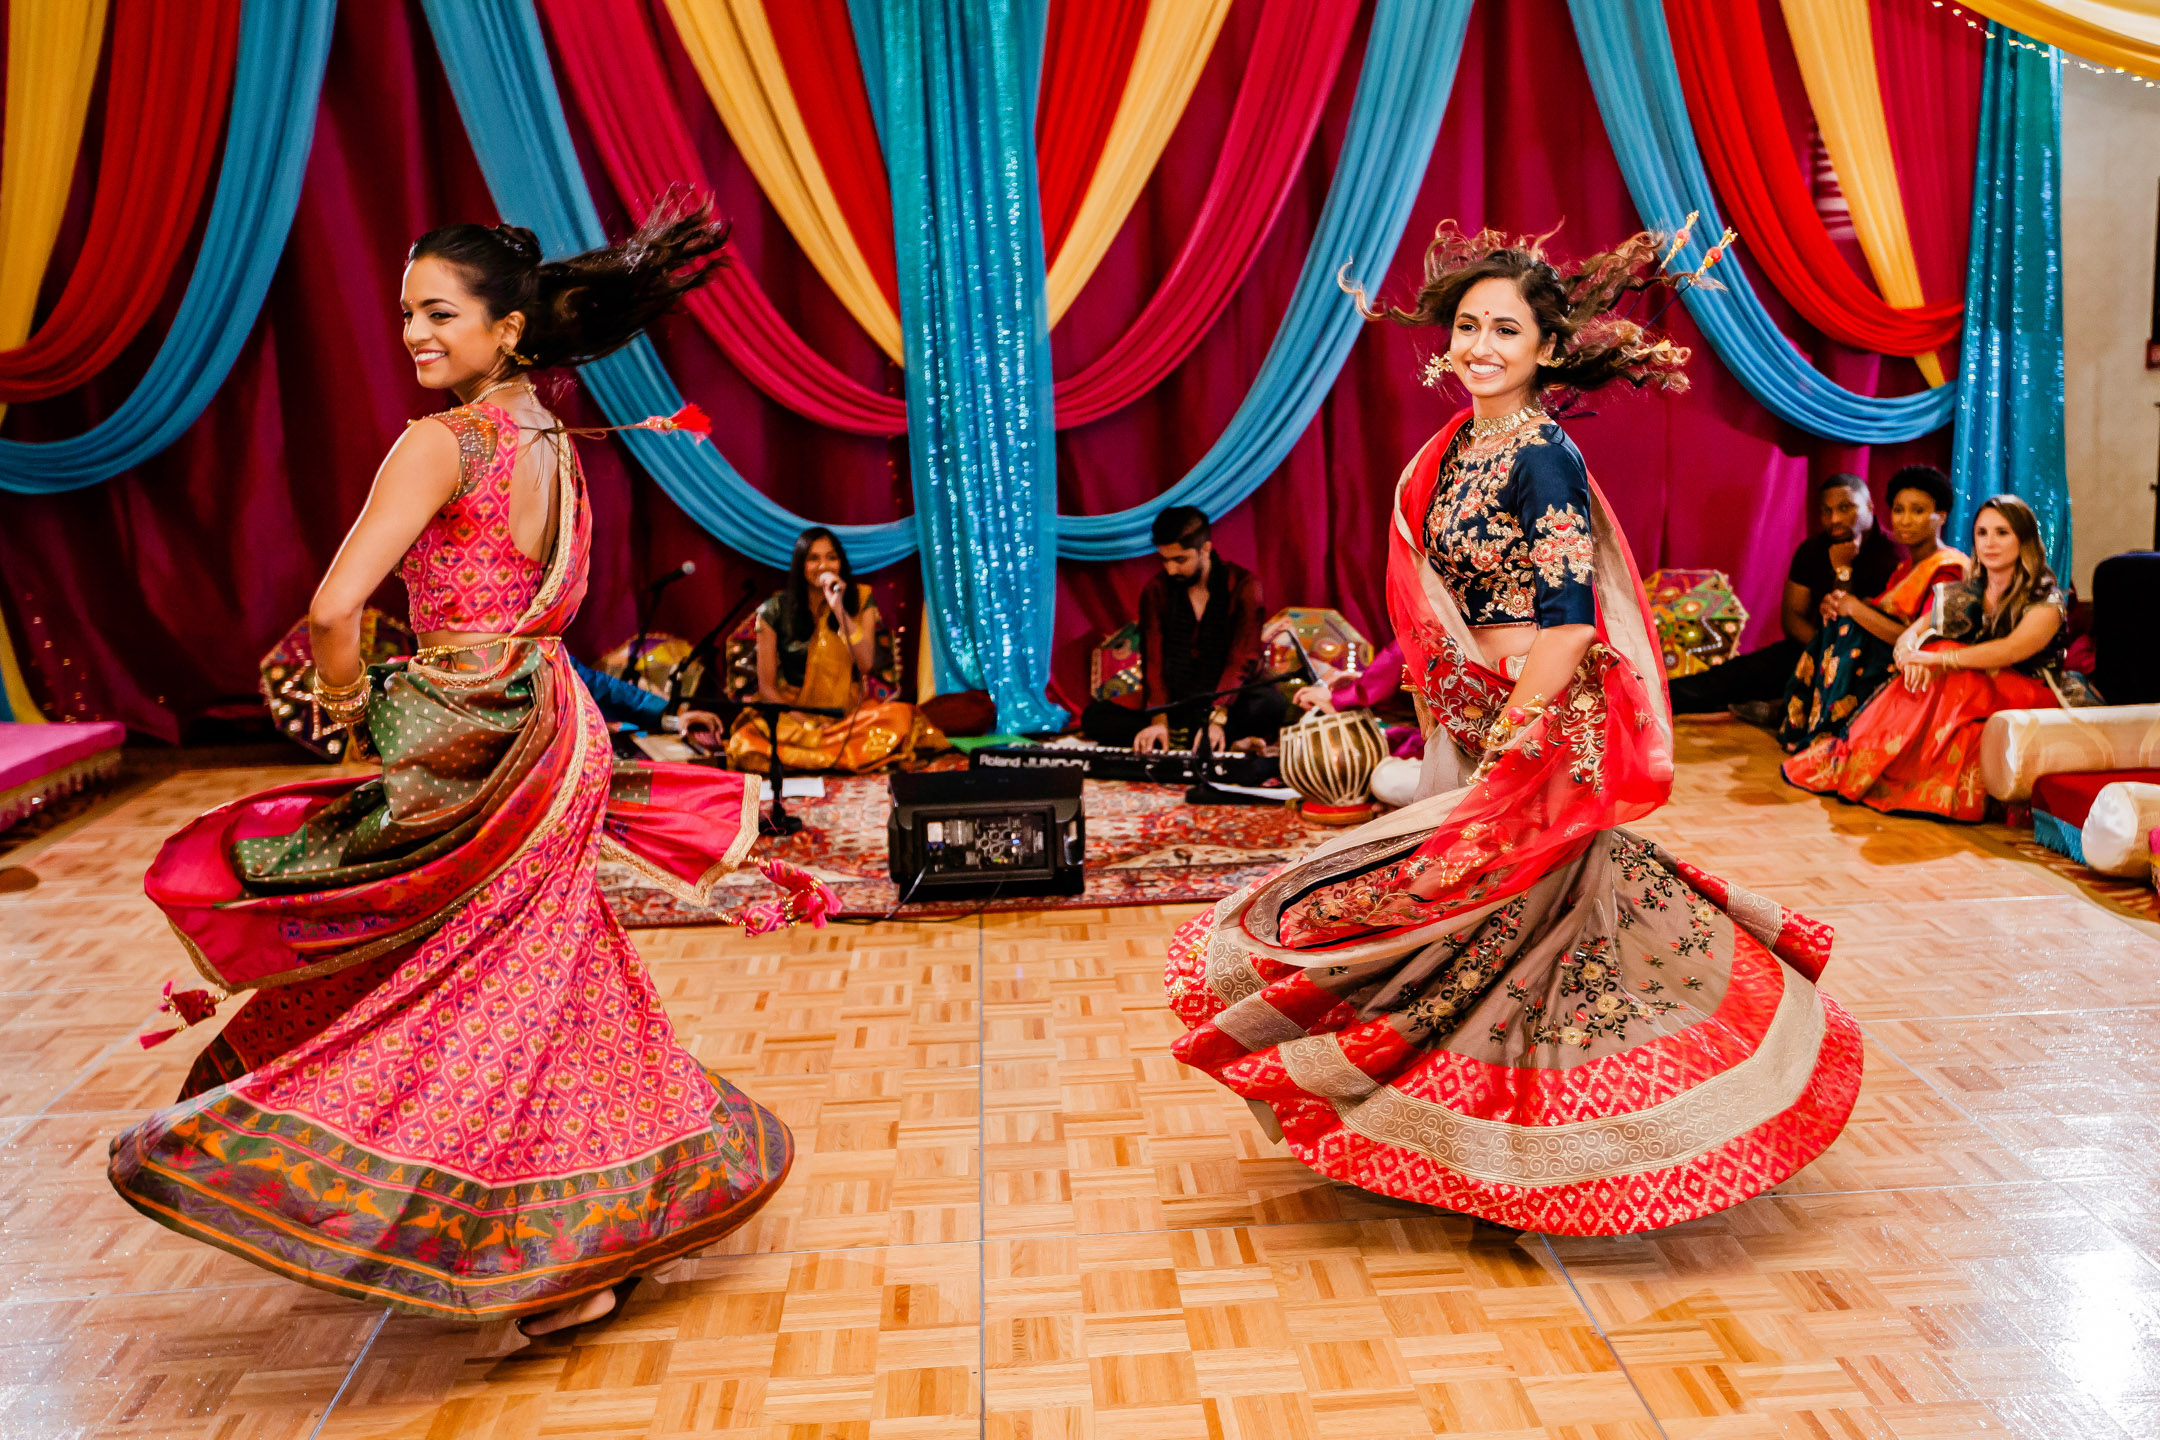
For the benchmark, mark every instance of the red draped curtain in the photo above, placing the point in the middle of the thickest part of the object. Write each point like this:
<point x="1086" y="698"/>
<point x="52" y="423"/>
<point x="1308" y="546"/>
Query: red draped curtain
<point x="149" y="599"/>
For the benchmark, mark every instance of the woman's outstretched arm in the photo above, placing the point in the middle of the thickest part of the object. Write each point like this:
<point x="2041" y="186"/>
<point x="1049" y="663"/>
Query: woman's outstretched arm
<point x="416" y="480"/>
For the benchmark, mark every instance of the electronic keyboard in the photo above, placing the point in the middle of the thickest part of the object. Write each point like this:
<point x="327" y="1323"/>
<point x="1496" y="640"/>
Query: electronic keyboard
<point x="1109" y="762"/>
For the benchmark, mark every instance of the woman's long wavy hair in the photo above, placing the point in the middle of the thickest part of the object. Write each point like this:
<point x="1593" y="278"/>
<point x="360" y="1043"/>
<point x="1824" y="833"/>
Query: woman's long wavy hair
<point x="586" y="306"/>
<point x="1573" y="304"/>
<point x="2033" y="579"/>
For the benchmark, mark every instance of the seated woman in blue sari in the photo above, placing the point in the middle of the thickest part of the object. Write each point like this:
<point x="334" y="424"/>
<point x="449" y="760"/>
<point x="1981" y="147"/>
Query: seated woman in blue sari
<point x="1850" y="657"/>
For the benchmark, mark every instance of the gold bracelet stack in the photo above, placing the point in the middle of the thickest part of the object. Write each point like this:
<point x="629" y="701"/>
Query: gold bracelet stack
<point x="342" y="704"/>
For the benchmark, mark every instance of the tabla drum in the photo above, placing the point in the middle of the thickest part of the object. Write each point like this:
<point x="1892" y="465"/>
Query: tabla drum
<point x="1329" y="760"/>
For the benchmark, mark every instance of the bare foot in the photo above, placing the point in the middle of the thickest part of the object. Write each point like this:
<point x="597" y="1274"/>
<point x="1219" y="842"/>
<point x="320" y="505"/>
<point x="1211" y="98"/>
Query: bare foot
<point x="577" y="1312"/>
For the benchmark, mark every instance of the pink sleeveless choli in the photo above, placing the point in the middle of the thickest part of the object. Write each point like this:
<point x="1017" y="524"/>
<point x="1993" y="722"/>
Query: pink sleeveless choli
<point x="454" y="1088"/>
<point x="465" y="572"/>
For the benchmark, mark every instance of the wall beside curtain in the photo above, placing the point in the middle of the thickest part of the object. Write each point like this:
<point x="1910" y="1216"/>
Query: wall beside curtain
<point x="149" y="599"/>
<point x="2111" y="176"/>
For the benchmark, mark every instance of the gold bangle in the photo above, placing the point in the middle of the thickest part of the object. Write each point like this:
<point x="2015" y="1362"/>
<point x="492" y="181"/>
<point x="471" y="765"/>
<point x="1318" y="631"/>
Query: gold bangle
<point x="329" y="693"/>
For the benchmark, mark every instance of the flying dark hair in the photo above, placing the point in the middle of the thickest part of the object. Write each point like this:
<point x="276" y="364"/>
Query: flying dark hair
<point x="1929" y="481"/>
<point x="586" y="306"/>
<point x="1185" y="526"/>
<point x="1573" y="306"/>
<point x="797" y="619"/>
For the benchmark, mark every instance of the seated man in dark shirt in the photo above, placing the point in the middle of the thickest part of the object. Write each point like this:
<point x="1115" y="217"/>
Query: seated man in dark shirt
<point x="1200" y="623"/>
<point x="1848" y="554"/>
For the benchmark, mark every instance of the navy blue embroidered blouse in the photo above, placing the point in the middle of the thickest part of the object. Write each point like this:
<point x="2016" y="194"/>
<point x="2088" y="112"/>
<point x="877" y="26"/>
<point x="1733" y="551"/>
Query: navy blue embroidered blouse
<point x="1508" y="531"/>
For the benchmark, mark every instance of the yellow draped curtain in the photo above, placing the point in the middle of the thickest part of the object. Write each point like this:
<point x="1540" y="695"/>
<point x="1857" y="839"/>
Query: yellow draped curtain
<point x="1834" y="41"/>
<point x="53" y="48"/>
<point x="1175" y="42"/>
<point x="731" y="45"/>
<point x="2123" y="34"/>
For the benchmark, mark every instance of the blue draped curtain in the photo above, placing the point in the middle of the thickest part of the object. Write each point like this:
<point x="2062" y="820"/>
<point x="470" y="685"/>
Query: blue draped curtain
<point x="954" y="85"/>
<point x="2010" y="399"/>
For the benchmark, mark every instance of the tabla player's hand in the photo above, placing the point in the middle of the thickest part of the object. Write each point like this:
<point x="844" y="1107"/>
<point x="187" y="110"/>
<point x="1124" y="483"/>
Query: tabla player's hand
<point x="701" y="728"/>
<point x="1154" y="739"/>
<point x="1214" y="740"/>
<point x="1313" y="697"/>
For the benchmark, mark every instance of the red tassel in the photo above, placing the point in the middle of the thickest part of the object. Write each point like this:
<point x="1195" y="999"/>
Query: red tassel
<point x="807" y="901"/>
<point x="689" y="419"/>
<point x="191" y="1006"/>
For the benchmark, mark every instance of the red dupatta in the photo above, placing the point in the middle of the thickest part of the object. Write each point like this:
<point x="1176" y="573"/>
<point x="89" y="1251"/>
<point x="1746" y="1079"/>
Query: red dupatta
<point x="1599" y="756"/>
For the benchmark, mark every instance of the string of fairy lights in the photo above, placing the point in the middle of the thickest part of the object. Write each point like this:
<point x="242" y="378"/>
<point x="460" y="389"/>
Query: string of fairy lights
<point x="1995" y="32"/>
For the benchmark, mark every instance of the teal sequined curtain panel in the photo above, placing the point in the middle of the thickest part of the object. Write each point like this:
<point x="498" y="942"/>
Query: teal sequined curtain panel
<point x="2010" y="369"/>
<point x="952" y="83"/>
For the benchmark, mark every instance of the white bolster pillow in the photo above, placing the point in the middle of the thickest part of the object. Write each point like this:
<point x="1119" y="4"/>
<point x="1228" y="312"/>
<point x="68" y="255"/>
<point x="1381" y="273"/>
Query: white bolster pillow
<point x="2119" y="826"/>
<point x="2019" y="746"/>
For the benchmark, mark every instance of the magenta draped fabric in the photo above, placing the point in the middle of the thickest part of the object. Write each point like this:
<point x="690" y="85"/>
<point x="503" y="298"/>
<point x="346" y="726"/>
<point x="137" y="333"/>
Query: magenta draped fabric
<point x="149" y="599"/>
<point x="611" y="67"/>
<point x="167" y="88"/>
<point x="1087" y="57"/>
<point x="1929" y="68"/>
<point x="609" y="59"/>
<point x="1288" y="73"/>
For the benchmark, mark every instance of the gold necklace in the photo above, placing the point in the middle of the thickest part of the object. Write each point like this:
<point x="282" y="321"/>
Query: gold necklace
<point x="1482" y="428"/>
<point x="501" y="385"/>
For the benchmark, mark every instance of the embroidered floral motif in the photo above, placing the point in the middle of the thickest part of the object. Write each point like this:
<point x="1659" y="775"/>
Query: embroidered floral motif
<point x="1460" y="984"/>
<point x="1458" y="697"/>
<point x="1563" y="549"/>
<point x="1479" y="523"/>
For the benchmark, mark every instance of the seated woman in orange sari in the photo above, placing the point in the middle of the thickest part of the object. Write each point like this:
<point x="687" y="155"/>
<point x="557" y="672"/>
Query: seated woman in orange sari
<point x="1496" y="999"/>
<point x="453" y="1088"/>
<point x="822" y="643"/>
<point x="1849" y="659"/>
<point x="1994" y="641"/>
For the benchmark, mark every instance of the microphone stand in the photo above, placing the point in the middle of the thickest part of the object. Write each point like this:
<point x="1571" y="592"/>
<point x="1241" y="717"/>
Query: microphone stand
<point x="705" y="643"/>
<point x="776" y="821"/>
<point x="1204" y="791"/>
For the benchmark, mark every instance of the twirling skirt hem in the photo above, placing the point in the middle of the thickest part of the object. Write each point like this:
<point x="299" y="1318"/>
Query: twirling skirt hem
<point x="374" y="1227"/>
<point x="1716" y="1179"/>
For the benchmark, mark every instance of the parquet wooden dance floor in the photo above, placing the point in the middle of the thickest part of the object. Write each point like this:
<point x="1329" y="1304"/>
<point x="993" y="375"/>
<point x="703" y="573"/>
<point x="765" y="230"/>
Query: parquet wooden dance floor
<point x="1015" y="1214"/>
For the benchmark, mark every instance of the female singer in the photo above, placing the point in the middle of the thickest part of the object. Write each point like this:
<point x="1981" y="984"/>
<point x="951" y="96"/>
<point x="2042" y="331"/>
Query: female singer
<point x="1493" y="1000"/>
<point x="454" y="1089"/>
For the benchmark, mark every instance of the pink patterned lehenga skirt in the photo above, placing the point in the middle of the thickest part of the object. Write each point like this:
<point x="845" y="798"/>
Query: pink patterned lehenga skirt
<point x="486" y="1113"/>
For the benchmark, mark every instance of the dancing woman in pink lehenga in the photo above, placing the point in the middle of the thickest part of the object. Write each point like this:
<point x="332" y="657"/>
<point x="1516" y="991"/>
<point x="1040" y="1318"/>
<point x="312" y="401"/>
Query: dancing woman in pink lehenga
<point x="1495" y="1000"/>
<point x="453" y="1088"/>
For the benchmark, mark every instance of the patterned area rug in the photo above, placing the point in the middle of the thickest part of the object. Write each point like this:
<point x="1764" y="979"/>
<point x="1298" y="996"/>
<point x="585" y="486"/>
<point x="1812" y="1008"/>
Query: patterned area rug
<point x="1145" y="846"/>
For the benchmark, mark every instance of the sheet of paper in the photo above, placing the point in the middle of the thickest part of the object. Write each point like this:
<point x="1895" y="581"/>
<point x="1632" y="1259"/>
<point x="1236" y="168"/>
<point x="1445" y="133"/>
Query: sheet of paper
<point x="802" y="787"/>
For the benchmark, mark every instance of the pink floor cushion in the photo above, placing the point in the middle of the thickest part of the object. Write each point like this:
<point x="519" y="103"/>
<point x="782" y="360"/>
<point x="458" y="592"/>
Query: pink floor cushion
<point x="2061" y="802"/>
<point x="40" y="763"/>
